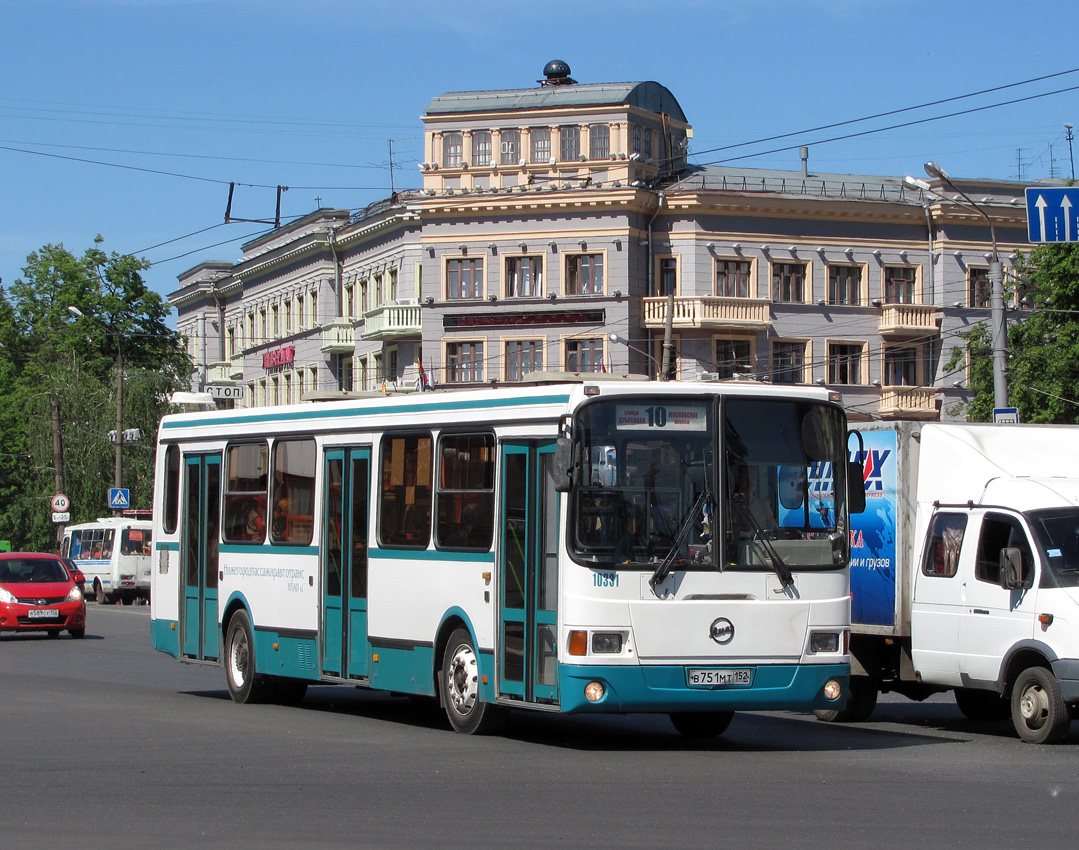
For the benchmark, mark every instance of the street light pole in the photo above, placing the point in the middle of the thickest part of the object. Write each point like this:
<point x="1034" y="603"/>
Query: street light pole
<point x="998" y="329"/>
<point x="118" y="460"/>
<point x="621" y="340"/>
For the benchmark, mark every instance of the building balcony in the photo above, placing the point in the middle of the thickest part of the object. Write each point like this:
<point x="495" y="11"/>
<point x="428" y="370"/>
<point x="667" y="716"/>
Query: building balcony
<point x="909" y="403"/>
<point x="908" y="320"/>
<point x="707" y="312"/>
<point x="219" y="372"/>
<point x="236" y="368"/>
<point x="392" y="321"/>
<point x="338" y="337"/>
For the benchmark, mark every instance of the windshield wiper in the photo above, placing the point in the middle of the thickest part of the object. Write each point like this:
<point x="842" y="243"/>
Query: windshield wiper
<point x="664" y="569"/>
<point x="778" y="564"/>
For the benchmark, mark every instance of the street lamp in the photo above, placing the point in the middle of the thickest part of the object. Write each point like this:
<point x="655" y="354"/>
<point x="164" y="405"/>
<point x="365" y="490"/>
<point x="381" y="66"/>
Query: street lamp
<point x="998" y="333"/>
<point x="118" y="461"/>
<point x="621" y="340"/>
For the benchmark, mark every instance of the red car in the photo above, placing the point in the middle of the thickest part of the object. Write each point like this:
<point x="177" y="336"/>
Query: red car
<point x="76" y="573"/>
<point x="38" y="594"/>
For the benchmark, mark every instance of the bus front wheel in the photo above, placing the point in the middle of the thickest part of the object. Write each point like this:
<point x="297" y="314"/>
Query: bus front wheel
<point x="245" y="685"/>
<point x="701" y="724"/>
<point x="460" y="689"/>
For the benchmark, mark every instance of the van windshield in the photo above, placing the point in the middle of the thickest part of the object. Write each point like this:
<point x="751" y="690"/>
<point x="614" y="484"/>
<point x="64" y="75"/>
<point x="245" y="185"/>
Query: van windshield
<point x="1057" y="531"/>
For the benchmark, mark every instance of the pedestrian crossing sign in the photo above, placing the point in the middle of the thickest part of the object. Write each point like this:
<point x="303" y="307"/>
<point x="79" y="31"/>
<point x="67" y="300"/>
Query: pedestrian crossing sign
<point x="119" y="498"/>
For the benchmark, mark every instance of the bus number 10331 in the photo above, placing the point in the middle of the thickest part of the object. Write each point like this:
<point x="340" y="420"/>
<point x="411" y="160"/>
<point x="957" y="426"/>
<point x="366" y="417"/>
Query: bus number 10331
<point x="605" y="579"/>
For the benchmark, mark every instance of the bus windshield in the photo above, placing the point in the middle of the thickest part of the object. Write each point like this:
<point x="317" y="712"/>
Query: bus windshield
<point x="649" y="490"/>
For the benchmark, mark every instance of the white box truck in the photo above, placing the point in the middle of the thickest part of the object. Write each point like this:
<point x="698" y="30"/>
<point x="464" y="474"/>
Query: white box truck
<point x="965" y="571"/>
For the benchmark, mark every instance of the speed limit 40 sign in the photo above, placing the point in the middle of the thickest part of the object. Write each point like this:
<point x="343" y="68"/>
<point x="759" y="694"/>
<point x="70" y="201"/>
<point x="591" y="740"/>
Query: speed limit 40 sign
<point x="60" y="503"/>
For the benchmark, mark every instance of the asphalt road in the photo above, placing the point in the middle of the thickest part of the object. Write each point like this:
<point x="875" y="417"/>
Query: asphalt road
<point x="106" y="744"/>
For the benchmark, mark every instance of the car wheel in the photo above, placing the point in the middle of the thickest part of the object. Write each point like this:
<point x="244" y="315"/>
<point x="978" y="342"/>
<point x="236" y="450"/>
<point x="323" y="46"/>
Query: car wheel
<point x="701" y="724"/>
<point x="55" y="633"/>
<point x="1039" y="713"/>
<point x="245" y="685"/>
<point x="78" y="634"/>
<point x="460" y="689"/>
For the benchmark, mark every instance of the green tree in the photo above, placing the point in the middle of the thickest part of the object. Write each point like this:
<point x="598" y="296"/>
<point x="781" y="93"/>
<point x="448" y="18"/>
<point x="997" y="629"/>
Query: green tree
<point x="1043" y="348"/>
<point x="58" y="385"/>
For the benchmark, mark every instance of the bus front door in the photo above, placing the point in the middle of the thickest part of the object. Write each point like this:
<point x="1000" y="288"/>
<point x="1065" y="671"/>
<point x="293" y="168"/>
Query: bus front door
<point x="344" y="563"/>
<point x="528" y="573"/>
<point x="201" y="525"/>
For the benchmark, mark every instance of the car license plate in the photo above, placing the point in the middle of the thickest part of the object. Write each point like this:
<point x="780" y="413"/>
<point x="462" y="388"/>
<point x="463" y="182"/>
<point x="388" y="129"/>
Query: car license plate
<point x="729" y="678"/>
<point x="42" y="613"/>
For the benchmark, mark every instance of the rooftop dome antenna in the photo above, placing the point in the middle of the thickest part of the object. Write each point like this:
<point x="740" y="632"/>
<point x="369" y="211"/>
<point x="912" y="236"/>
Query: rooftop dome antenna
<point x="557" y="73"/>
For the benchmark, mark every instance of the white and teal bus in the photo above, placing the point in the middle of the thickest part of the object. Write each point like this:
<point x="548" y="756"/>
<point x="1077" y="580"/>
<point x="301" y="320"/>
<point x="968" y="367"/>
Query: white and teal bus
<point x="455" y="544"/>
<point x="114" y="555"/>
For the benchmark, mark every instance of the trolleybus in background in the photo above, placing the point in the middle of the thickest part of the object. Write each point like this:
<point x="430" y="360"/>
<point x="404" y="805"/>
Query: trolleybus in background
<point x="458" y="545"/>
<point x="114" y="553"/>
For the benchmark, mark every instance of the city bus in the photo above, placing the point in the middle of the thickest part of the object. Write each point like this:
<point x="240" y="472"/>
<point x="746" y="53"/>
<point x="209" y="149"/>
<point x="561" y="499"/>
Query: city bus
<point x="456" y="545"/>
<point x="114" y="553"/>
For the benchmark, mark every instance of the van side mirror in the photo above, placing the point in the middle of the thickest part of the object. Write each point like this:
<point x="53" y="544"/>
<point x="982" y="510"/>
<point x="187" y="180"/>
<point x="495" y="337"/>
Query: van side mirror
<point x="562" y="474"/>
<point x="856" y="485"/>
<point x="1011" y="570"/>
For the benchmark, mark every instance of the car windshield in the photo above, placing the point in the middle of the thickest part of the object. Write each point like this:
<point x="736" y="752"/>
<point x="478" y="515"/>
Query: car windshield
<point x="32" y="570"/>
<point x="1057" y="531"/>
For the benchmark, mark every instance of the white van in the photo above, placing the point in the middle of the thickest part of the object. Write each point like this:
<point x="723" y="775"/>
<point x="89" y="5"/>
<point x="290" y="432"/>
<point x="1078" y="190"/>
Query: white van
<point x="114" y="555"/>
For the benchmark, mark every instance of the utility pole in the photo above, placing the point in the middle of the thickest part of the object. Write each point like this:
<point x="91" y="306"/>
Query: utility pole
<point x="1069" y="136"/>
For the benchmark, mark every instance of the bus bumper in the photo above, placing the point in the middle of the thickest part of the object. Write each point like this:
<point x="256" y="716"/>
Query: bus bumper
<point x="665" y="688"/>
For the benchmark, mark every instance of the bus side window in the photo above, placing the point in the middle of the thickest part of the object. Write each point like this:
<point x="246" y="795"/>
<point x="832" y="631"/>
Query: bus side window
<point x="172" y="488"/>
<point x="292" y="519"/>
<point x="247" y="478"/>
<point x="405" y="494"/>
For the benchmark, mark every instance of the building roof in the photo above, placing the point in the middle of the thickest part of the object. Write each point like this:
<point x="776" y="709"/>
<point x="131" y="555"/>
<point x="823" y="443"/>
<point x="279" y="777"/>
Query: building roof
<point x="649" y="96"/>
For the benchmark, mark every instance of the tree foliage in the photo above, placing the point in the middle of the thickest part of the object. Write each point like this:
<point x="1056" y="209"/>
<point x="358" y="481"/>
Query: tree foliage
<point x="1043" y="347"/>
<point x="58" y="385"/>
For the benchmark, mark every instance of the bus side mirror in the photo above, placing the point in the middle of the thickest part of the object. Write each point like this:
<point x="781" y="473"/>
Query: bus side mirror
<point x="563" y="465"/>
<point x="1011" y="570"/>
<point x="856" y="485"/>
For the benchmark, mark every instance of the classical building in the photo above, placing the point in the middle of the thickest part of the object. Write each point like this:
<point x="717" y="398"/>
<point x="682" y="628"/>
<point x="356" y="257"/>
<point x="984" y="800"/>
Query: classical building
<point x="561" y="227"/>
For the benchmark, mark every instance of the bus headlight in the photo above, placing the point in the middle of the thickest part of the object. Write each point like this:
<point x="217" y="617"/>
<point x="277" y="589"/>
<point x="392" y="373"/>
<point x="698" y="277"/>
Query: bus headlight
<point x="832" y="690"/>
<point x="824" y="642"/>
<point x="594" y="691"/>
<point x="607" y="642"/>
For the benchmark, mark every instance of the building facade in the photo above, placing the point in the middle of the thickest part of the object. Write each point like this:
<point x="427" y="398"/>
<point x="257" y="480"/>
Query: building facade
<point x="561" y="228"/>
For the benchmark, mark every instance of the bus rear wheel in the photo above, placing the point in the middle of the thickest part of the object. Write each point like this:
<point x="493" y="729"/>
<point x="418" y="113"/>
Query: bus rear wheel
<point x="701" y="724"/>
<point x="100" y="596"/>
<point x="245" y="685"/>
<point x="460" y="689"/>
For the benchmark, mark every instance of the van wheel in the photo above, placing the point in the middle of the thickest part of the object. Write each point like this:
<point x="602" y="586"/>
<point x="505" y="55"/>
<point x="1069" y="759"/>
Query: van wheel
<point x="861" y="701"/>
<point x="460" y="689"/>
<point x="245" y="685"/>
<point x="99" y="593"/>
<point x="981" y="706"/>
<point x="1038" y="710"/>
<point x="701" y="724"/>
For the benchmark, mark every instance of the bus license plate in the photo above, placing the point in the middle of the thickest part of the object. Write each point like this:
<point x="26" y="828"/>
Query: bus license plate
<point x="42" y="613"/>
<point x="720" y="678"/>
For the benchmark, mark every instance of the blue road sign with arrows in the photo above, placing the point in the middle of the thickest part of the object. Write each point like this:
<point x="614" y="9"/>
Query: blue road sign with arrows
<point x="1052" y="214"/>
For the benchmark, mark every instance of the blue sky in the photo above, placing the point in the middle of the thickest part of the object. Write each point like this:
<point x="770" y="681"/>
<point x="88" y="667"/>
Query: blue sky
<point x="309" y="94"/>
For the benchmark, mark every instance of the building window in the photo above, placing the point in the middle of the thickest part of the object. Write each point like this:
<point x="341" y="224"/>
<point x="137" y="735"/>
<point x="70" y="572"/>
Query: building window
<point x="732" y="278"/>
<point x="905" y="365"/>
<point x="464" y="278"/>
<point x="584" y="274"/>
<point x="788" y="282"/>
<point x="511" y="147"/>
<point x="451" y="150"/>
<point x="570" y="141"/>
<point x="343" y="367"/>
<point x="733" y="356"/>
<point x="844" y="363"/>
<point x="300" y="319"/>
<point x="378" y="291"/>
<point x="313" y="297"/>
<point x="464" y="362"/>
<point x="978" y="289"/>
<point x="524" y="277"/>
<point x="392" y="276"/>
<point x="636" y="139"/>
<point x="349" y="302"/>
<point x="899" y="285"/>
<point x="845" y="285"/>
<point x="541" y="144"/>
<point x="264" y="326"/>
<point x="481" y="148"/>
<point x="599" y="141"/>
<point x="788" y="362"/>
<point x="522" y="357"/>
<point x="647" y="138"/>
<point x="232" y="342"/>
<point x="584" y="355"/>
<point x="667" y="282"/>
